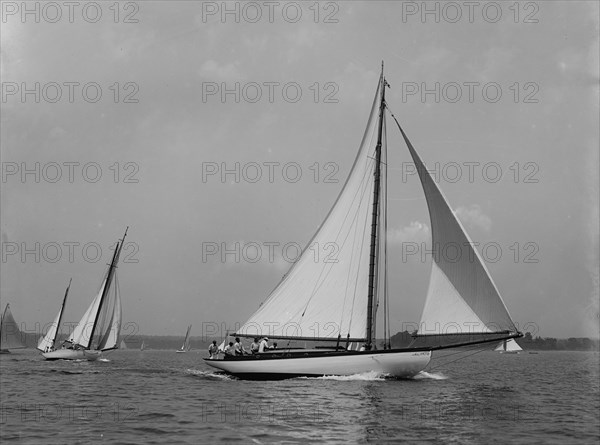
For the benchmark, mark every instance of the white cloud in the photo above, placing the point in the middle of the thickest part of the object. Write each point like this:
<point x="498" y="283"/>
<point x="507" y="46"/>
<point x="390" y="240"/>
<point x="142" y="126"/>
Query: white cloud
<point x="474" y="217"/>
<point x="415" y="232"/>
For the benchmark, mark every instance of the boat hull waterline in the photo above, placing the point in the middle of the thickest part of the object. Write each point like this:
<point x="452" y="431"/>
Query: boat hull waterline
<point x="395" y="364"/>
<point x="72" y="354"/>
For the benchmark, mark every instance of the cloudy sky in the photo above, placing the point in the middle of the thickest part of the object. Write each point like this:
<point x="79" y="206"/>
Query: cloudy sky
<point x="207" y="126"/>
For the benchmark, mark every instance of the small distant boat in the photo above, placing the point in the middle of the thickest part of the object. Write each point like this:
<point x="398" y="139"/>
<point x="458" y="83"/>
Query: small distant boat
<point x="100" y="327"/>
<point x="47" y="343"/>
<point x="10" y="335"/>
<point x="186" y="343"/>
<point x="143" y="346"/>
<point x="123" y="345"/>
<point x="508" y="347"/>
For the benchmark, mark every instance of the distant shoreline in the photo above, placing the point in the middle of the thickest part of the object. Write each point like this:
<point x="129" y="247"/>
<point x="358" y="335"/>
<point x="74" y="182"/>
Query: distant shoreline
<point x="399" y="340"/>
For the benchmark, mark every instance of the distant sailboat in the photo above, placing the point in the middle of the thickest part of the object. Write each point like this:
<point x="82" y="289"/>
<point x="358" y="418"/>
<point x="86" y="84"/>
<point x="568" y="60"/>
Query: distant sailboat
<point x="123" y="345"/>
<point x="143" y="346"/>
<point x="10" y="335"/>
<point x="335" y="302"/>
<point x="100" y="327"/>
<point x="186" y="343"/>
<point x="508" y="347"/>
<point x="47" y="343"/>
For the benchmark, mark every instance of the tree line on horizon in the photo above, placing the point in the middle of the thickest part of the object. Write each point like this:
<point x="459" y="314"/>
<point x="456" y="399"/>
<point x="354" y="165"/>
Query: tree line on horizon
<point x="527" y="342"/>
<point x="399" y="340"/>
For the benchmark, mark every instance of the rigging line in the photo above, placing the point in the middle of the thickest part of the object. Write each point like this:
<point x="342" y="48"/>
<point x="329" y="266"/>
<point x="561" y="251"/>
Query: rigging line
<point x="323" y="274"/>
<point x="348" y="284"/>
<point x="362" y="245"/>
<point x="381" y="240"/>
<point x="386" y="308"/>
<point x="362" y="185"/>
<point x="385" y="298"/>
<point x="460" y="358"/>
<point x="378" y="246"/>
<point x="284" y="278"/>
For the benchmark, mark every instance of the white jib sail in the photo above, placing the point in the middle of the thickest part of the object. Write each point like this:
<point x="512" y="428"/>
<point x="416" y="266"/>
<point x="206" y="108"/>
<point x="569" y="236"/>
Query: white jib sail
<point x="48" y="340"/>
<point x="462" y="298"/>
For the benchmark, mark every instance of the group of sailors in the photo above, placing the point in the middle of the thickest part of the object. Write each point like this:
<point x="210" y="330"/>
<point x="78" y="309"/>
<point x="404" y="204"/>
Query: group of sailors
<point x="237" y="348"/>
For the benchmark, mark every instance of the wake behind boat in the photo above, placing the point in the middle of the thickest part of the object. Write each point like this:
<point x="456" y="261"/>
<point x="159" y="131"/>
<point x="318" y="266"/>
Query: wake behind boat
<point x="337" y="301"/>
<point x="99" y="328"/>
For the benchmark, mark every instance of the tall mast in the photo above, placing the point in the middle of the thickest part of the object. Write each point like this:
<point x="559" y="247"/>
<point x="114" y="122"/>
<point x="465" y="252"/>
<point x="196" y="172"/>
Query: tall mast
<point x="109" y="277"/>
<point x="374" y="219"/>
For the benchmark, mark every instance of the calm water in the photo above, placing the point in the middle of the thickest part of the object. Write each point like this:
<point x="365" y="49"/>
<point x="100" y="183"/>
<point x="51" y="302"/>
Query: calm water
<point x="163" y="397"/>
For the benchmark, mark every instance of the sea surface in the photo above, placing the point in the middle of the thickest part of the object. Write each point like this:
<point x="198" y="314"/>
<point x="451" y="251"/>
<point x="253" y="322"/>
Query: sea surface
<point x="156" y="396"/>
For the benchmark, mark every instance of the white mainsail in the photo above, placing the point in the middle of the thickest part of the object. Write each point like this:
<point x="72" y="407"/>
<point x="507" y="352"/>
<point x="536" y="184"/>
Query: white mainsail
<point x="81" y="335"/>
<point x="323" y="296"/>
<point x="47" y="342"/>
<point x="10" y="335"/>
<point x="462" y="298"/>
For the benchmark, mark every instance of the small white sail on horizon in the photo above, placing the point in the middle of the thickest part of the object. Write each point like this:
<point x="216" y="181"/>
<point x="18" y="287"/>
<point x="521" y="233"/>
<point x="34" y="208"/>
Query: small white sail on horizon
<point x="509" y="346"/>
<point x="186" y="343"/>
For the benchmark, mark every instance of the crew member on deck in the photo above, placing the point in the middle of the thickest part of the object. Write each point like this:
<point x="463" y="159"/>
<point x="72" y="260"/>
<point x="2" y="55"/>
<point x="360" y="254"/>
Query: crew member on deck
<point x="238" y="347"/>
<point x="213" y="349"/>
<point x="254" y="346"/>
<point x="263" y="345"/>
